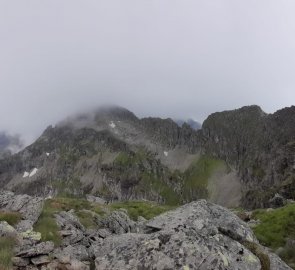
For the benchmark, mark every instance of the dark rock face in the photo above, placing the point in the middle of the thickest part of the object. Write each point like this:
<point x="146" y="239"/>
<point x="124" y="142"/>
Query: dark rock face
<point x="260" y="146"/>
<point x="111" y="153"/>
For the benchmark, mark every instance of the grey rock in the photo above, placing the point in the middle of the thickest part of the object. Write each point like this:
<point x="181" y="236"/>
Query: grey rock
<point x="43" y="248"/>
<point x="118" y="222"/>
<point x="39" y="260"/>
<point x="68" y="220"/>
<point x="20" y="262"/>
<point x="24" y="225"/>
<point x="67" y="264"/>
<point x="7" y="230"/>
<point x="29" y="207"/>
<point x="78" y="252"/>
<point x="71" y="237"/>
<point x="199" y="235"/>
<point x="95" y="199"/>
<point x="205" y="217"/>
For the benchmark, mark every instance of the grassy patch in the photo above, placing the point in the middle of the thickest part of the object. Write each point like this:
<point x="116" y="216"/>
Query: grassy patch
<point x="275" y="227"/>
<point x="46" y="224"/>
<point x="135" y="209"/>
<point x="6" y="252"/>
<point x="196" y="177"/>
<point x="86" y="219"/>
<point x="11" y="218"/>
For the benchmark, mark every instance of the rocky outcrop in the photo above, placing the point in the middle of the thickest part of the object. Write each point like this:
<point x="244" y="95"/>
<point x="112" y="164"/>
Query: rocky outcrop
<point x="199" y="235"/>
<point x="29" y="207"/>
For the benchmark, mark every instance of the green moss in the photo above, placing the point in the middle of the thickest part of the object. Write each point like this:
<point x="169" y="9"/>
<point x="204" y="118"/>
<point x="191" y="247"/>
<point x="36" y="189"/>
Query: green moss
<point x="197" y="176"/>
<point x="11" y="218"/>
<point x="6" y="252"/>
<point x="135" y="209"/>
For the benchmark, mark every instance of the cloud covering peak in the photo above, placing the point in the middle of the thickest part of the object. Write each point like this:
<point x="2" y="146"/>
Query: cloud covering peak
<point x="179" y="59"/>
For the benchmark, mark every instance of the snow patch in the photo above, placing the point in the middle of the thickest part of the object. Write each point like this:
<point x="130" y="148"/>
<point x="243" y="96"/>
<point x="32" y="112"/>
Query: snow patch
<point x="26" y="174"/>
<point x="112" y="124"/>
<point x="166" y="153"/>
<point x="33" y="172"/>
<point x="47" y="154"/>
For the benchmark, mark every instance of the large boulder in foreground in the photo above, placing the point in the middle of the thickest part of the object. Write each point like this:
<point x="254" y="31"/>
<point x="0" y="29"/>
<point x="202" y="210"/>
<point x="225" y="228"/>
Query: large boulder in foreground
<point x="199" y="235"/>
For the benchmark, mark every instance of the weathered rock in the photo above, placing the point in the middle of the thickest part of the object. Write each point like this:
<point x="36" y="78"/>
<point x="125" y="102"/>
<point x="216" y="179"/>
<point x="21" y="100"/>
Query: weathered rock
<point x="20" y="262"/>
<point x="199" y="235"/>
<point x="43" y="248"/>
<point x="78" y="252"/>
<point x="24" y="225"/>
<point x="207" y="218"/>
<point x="95" y="199"/>
<point x="40" y="260"/>
<point x="68" y="221"/>
<point x="118" y="222"/>
<point x="30" y="207"/>
<point x="66" y="264"/>
<point x="7" y="230"/>
<point x="277" y="201"/>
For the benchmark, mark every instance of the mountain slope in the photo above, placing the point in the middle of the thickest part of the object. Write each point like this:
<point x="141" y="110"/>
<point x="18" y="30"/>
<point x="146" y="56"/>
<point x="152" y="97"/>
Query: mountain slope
<point x="260" y="146"/>
<point x="239" y="157"/>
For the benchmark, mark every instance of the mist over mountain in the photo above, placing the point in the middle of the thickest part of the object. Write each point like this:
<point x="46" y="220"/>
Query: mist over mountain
<point x="9" y="144"/>
<point x="192" y="123"/>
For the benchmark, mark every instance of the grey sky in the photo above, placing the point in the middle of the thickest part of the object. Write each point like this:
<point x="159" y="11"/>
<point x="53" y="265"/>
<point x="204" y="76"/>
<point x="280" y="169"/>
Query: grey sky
<point x="156" y="57"/>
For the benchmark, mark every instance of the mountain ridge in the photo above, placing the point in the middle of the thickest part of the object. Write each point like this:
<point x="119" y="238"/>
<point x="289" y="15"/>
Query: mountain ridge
<point x="116" y="155"/>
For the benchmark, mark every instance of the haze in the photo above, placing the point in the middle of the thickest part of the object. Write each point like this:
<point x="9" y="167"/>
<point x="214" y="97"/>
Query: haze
<point x="181" y="59"/>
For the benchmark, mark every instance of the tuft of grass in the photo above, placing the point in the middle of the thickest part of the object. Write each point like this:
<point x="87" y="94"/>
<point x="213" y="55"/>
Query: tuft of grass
<point x="11" y="218"/>
<point x="145" y="209"/>
<point x="6" y="252"/>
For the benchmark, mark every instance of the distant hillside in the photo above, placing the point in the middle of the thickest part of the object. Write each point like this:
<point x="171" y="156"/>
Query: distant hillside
<point x="239" y="157"/>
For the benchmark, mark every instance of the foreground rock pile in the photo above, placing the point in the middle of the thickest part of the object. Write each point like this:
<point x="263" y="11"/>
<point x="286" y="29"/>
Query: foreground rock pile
<point x="199" y="235"/>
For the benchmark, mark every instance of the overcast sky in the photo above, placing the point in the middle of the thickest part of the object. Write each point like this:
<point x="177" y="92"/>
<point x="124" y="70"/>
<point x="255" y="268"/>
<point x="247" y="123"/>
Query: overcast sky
<point x="156" y="57"/>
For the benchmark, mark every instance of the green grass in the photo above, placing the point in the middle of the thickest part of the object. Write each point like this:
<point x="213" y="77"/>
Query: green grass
<point x="86" y="219"/>
<point x="11" y="218"/>
<point x="135" y="209"/>
<point x="6" y="252"/>
<point x="197" y="176"/>
<point x="275" y="227"/>
<point x="46" y="224"/>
